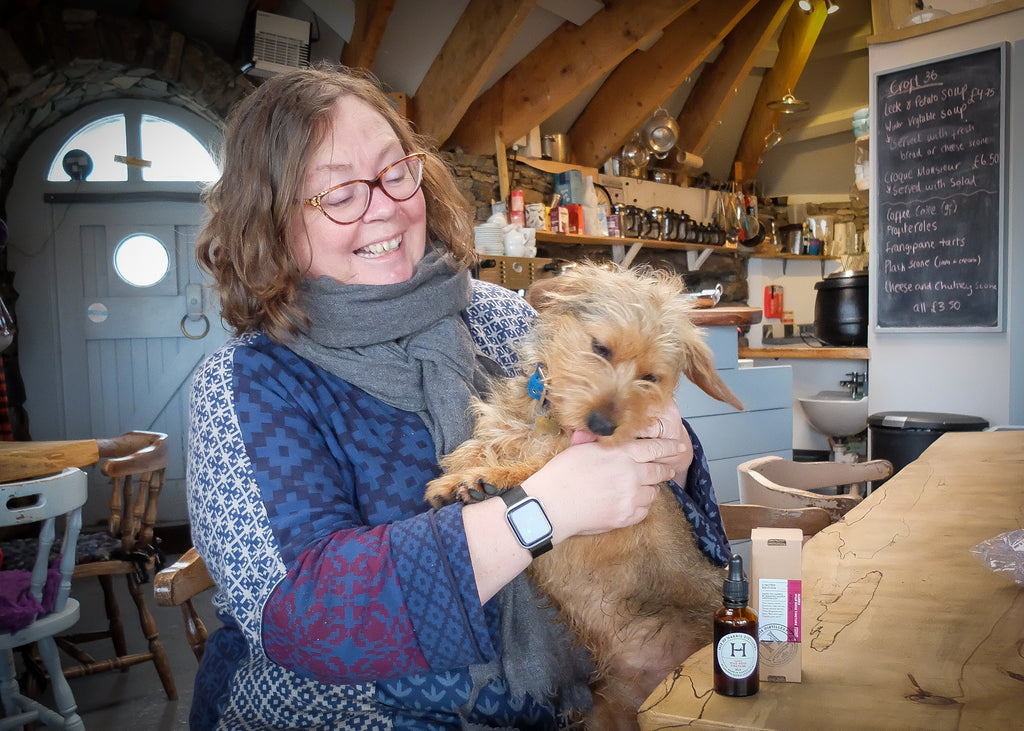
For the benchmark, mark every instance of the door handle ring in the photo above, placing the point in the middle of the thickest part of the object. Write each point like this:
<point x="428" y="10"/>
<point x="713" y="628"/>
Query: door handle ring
<point x="200" y="336"/>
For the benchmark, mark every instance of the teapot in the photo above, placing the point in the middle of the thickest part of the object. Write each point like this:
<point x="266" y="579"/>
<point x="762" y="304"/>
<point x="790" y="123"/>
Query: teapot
<point x="655" y="217"/>
<point x="634" y="223"/>
<point x="669" y="225"/>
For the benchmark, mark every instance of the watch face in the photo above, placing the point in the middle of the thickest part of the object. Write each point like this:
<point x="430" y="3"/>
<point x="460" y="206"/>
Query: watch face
<point x="529" y="522"/>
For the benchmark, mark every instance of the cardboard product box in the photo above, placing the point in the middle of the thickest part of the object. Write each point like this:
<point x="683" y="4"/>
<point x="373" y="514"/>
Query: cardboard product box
<point x="576" y="225"/>
<point x="615" y="225"/>
<point x="517" y="209"/>
<point x="559" y="218"/>
<point x="776" y="597"/>
<point x="569" y="185"/>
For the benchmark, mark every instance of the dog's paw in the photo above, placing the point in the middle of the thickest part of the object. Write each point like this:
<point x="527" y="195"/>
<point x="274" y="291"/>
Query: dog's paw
<point x="443" y="492"/>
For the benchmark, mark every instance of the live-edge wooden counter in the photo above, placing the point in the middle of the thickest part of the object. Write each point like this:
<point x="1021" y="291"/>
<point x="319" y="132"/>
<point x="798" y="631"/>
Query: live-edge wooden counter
<point x="904" y="627"/>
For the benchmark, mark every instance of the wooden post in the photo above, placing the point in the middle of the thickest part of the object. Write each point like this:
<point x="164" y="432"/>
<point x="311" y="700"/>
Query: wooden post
<point x="499" y="153"/>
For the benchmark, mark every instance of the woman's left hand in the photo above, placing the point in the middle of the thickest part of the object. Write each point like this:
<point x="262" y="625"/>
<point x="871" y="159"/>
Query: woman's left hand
<point x="668" y="424"/>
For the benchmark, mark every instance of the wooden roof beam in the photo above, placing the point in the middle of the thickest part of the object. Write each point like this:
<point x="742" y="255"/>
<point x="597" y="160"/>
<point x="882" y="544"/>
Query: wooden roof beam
<point x="466" y="61"/>
<point x="795" y="44"/>
<point x="641" y="83"/>
<point x="371" y="22"/>
<point x="568" y="60"/>
<point x="716" y="88"/>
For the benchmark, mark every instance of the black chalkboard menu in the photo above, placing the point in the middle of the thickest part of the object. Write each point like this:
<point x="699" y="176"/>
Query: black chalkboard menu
<point x="939" y="192"/>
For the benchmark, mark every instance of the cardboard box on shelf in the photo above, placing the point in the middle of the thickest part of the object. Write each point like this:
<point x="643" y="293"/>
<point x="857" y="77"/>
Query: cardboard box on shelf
<point x="576" y="225"/>
<point x="569" y="185"/>
<point x="517" y="209"/>
<point x="776" y="597"/>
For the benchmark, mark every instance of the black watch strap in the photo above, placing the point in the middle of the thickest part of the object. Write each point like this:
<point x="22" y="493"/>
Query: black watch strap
<point x="514" y="496"/>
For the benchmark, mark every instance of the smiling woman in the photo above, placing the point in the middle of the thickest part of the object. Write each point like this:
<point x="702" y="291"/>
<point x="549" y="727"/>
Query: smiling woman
<point x="340" y="247"/>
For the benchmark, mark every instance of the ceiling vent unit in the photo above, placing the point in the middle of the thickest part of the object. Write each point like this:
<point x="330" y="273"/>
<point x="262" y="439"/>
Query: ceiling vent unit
<point x="280" y="44"/>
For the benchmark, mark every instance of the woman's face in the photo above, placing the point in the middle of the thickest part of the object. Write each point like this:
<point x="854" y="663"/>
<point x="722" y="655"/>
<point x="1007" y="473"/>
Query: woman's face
<point x="386" y="244"/>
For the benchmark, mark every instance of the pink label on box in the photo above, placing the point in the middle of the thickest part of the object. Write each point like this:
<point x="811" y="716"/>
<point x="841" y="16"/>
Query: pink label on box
<point x="794" y="612"/>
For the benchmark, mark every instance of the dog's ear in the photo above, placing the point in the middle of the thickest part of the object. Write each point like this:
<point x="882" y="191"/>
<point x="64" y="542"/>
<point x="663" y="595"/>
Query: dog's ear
<point x="699" y="367"/>
<point x="540" y="291"/>
<point x="558" y="293"/>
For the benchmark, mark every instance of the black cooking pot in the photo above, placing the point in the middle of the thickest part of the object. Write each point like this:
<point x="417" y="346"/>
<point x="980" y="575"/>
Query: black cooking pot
<point x="841" y="308"/>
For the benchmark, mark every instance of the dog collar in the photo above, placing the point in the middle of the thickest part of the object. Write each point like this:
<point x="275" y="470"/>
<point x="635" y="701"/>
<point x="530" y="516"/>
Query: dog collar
<point x="536" y="386"/>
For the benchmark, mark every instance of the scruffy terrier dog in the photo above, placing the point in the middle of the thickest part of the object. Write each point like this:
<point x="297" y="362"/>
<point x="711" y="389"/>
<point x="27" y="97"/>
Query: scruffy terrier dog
<point x="609" y="347"/>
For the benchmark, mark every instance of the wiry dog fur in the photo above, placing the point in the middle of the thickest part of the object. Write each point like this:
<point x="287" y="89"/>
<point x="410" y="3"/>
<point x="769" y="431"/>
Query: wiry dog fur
<point x="612" y="345"/>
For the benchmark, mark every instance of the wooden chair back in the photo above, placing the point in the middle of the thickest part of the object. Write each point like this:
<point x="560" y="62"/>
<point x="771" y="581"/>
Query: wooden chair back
<point x="42" y="501"/>
<point x="176" y="586"/>
<point x="136" y="463"/>
<point x="783" y="483"/>
<point x="739" y="519"/>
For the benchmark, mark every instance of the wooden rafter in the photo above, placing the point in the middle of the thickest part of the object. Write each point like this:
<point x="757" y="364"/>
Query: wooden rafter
<point x="466" y="61"/>
<point x="370" y="23"/>
<point x="716" y="88"/>
<point x="795" y="44"/>
<point x="642" y="82"/>
<point x="565" y="62"/>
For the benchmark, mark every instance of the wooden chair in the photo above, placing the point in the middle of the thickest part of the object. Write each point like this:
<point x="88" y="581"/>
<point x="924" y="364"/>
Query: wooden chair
<point x="135" y="462"/>
<point x="176" y="586"/>
<point x="739" y="519"/>
<point x="783" y="483"/>
<point x="41" y="501"/>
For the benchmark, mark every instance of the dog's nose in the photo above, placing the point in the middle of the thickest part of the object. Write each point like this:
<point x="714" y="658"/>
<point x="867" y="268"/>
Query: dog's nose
<point x="600" y="424"/>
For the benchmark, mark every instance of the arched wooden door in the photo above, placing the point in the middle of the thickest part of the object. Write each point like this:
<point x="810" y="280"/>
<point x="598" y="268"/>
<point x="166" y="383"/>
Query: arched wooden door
<point x="100" y="353"/>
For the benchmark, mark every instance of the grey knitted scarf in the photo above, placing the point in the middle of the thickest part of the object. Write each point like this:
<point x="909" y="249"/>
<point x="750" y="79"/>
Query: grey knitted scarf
<point x="405" y="344"/>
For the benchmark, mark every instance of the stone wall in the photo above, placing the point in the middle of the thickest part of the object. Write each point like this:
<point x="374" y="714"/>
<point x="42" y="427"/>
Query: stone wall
<point x="53" y="62"/>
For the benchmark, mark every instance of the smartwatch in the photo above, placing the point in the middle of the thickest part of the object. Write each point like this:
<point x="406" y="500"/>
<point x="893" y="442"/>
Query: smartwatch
<point x="529" y="522"/>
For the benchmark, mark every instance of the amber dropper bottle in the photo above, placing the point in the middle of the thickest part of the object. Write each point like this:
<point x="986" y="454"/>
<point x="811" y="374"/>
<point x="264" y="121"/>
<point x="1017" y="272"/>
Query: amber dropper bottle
<point x="736" y="637"/>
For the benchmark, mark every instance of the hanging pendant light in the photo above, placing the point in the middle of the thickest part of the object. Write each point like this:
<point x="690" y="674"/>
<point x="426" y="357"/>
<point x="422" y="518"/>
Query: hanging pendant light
<point x="788" y="104"/>
<point x="922" y="14"/>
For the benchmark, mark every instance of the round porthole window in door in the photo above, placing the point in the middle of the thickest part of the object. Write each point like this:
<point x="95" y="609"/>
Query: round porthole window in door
<point x="141" y="260"/>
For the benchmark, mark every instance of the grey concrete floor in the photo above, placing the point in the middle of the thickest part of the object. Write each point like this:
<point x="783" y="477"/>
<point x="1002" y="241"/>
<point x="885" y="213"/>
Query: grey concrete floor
<point x="135" y="699"/>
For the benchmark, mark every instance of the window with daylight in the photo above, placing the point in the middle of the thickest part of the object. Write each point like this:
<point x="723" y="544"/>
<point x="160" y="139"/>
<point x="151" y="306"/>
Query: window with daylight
<point x="100" y="152"/>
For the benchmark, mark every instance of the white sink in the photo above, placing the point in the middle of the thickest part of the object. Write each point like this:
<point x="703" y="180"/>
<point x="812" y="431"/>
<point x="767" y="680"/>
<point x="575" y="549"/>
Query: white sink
<point x="836" y="413"/>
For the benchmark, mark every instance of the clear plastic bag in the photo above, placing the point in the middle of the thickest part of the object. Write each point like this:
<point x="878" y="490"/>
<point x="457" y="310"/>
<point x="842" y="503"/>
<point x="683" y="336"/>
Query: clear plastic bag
<point x="1004" y="554"/>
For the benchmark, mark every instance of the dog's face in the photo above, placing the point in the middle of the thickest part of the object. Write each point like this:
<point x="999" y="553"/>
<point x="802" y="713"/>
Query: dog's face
<point x="612" y="345"/>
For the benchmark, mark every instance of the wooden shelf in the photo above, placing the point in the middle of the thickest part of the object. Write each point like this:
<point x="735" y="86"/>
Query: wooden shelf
<point x="582" y="240"/>
<point x="806" y="352"/>
<point x="808" y="257"/>
<point x="726" y="315"/>
<point x="553" y="166"/>
<point x="696" y="254"/>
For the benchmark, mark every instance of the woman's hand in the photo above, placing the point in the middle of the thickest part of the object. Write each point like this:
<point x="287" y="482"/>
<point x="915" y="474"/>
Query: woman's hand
<point x="589" y="488"/>
<point x="668" y="424"/>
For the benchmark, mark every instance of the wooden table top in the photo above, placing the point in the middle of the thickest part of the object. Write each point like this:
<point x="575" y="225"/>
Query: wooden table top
<point x="904" y="627"/>
<point x="25" y="460"/>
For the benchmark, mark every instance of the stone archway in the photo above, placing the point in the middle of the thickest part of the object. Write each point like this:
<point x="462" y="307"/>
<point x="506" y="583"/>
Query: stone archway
<point x="54" y="61"/>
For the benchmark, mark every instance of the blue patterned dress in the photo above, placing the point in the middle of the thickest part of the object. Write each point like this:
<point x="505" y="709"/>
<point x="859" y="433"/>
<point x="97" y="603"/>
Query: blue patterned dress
<point x="346" y="602"/>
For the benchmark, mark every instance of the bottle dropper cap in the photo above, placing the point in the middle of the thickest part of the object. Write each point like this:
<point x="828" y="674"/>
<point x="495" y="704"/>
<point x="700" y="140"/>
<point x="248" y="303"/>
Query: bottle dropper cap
<point x="736" y="589"/>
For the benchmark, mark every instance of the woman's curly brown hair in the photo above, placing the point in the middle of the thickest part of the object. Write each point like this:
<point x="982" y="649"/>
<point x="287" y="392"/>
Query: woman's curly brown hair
<point x="269" y="140"/>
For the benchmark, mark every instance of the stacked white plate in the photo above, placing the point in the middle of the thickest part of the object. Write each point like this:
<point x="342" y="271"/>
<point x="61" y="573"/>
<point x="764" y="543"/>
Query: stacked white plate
<point x="489" y="240"/>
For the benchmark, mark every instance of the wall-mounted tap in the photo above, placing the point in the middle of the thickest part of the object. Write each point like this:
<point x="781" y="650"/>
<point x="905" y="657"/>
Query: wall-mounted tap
<point x="855" y="382"/>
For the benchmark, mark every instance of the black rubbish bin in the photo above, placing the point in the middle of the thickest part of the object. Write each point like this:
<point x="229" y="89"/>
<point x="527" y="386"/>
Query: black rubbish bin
<point x="901" y="436"/>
